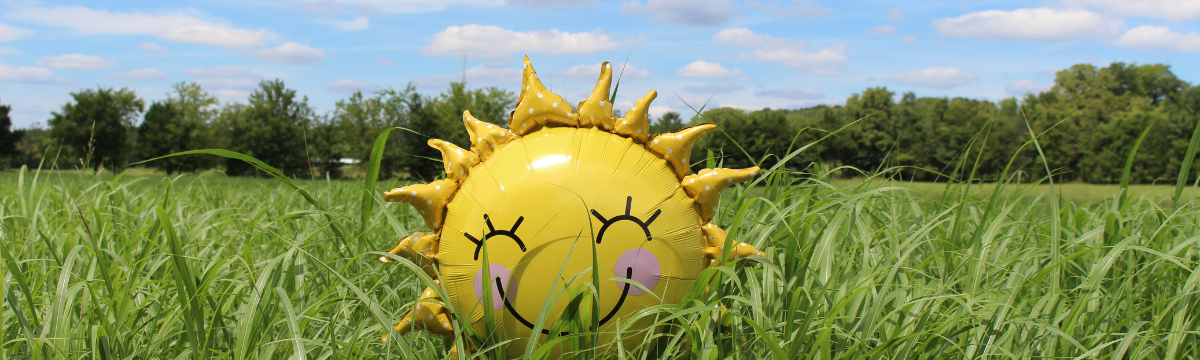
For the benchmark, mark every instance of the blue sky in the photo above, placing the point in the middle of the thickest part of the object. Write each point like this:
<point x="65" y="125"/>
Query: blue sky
<point x="747" y="54"/>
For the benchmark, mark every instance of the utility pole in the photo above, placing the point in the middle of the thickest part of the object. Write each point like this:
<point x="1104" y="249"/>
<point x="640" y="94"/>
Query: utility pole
<point x="464" y="73"/>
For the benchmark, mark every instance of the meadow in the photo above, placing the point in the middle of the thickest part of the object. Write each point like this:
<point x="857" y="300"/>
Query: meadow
<point x="210" y="266"/>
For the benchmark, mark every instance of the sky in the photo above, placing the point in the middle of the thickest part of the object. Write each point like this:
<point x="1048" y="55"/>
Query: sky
<point x="745" y="54"/>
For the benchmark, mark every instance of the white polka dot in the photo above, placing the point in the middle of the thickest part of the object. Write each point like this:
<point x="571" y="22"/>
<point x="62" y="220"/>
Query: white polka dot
<point x="742" y="244"/>
<point x="530" y="110"/>
<point x="593" y="117"/>
<point x="501" y="133"/>
<point x="608" y="66"/>
<point x="490" y="126"/>
<point x="668" y="150"/>
<point x="435" y="223"/>
<point x="460" y="172"/>
<point x="414" y="193"/>
<point x="554" y="105"/>
<point x="439" y="187"/>
<point x="471" y="159"/>
<point x="539" y="95"/>
<point x="426" y="292"/>
<point x="655" y="141"/>
<point x="601" y="102"/>
<point x="459" y="151"/>
<point x="430" y="317"/>
<point x="706" y="188"/>
<point x="570" y="115"/>
<point x="479" y="139"/>
<point x="685" y="160"/>
<point x="751" y="173"/>
<point x="430" y="202"/>
<point x="446" y="325"/>
<point x="680" y="137"/>
<point x="526" y="87"/>
<point x="639" y="131"/>
<point x="692" y="181"/>
<point x="624" y="123"/>
<point x="634" y="108"/>
<point x="729" y="181"/>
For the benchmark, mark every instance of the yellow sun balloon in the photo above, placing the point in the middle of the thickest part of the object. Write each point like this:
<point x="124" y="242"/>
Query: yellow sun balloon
<point x="541" y="194"/>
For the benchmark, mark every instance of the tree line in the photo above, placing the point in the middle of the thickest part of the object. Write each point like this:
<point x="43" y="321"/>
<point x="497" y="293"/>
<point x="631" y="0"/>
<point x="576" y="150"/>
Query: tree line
<point x="1086" y="126"/>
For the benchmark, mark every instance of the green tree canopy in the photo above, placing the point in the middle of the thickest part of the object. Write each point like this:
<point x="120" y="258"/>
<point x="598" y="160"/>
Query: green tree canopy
<point x="95" y="126"/>
<point x="271" y="127"/>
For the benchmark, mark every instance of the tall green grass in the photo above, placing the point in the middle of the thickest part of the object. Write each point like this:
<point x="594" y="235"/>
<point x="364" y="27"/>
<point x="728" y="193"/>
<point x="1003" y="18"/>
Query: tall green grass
<point x="208" y="266"/>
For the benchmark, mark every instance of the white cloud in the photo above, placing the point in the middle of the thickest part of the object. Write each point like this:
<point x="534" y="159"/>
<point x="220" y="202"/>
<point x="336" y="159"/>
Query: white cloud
<point x="799" y="8"/>
<point x="229" y="78"/>
<point x="148" y="74"/>
<point x="1162" y="9"/>
<point x="592" y="71"/>
<point x="356" y="24"/>
<point x="476" y="75"/>
<point x="384" y="62"/>
<point x="26" y="74"/>
<point x="747" y="37"/>
<point x="687" y="12"/>
<point x="789" y="52"/>
<point x="543" y="4"/>
<point x="289" y="53"/>
<point x="936" y="77"/>
<point x="822" y="62"/>
<point x="349" y="87"/>
<point x="908" y="39"/>
<point x="713" y="88"/>
<point x="1022" y="87"/>
<point x="76" y="62"/>
<point x="1030" y="25"/>
<point x="792" y="93"/>
<point x="5" y="51"/>
<point x="494" y="41"/>
<point x="9" y="32"/>
<point x="183" y="26"/>
<point x="215" y="36"/>
<point x="399" y="6"/>
<point x="149" y="46"/>
<point x="658" y="111"/>
<point x="704" y="69"/>
<point x="895" y="15"/>
<point x="884" y="30"/>
<point x="1159" y="38"/>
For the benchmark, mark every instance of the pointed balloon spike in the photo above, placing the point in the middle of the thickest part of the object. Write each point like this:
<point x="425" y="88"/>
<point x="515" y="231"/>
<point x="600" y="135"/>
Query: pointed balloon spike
<point x="429" y="199"/>
<point x="715" y="237"/>
<point x="596" y="110"/>
<point x="676" y="147"/>
<point x="428" y="314"/>
<point x="458" y="162"/>
<point x="421" y="248"/>
<point x="537" y="106"/>
<point x="635" y="124"/>
<point x="485" y="136"/>
<point x="705" y="186"/>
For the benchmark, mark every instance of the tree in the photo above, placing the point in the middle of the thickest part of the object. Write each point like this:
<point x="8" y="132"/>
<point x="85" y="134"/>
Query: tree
<point x="181" y="123"/>
<point x="361" y="119"/>
<point x="271" y="128"/>
<point x="8" y="139"/>
<point x="95" y="126"/>
<point x="490" y="104"/>
<point x="669" y="122"/>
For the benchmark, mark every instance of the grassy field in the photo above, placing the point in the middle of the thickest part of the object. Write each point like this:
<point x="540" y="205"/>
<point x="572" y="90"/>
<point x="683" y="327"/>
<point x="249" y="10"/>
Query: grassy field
<point x="133" y="267"/>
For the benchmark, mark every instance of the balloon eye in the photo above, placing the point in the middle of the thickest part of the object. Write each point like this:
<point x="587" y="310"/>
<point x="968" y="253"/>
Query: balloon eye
<point x="645" y="225"/>
<point x="492" y="232"/>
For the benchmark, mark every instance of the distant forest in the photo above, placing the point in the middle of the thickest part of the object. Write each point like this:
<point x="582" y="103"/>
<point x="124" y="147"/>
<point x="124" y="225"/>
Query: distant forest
<point x="1087" y="124"/>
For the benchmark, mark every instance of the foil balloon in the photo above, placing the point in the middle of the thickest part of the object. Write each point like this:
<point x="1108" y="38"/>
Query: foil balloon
<point x="535" y="198"/>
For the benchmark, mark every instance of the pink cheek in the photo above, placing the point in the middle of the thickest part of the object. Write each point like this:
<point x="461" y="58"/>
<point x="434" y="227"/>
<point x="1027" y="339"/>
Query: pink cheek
<point x="645" y="270"/>
<point x="496" y="271"/>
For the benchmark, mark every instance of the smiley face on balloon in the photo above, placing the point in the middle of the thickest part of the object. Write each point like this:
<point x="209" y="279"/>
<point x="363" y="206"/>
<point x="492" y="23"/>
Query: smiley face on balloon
<point x="544" y="197"/>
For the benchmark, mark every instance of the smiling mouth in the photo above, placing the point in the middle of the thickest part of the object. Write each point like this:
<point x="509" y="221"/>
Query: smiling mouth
<point x="621" y="301"/>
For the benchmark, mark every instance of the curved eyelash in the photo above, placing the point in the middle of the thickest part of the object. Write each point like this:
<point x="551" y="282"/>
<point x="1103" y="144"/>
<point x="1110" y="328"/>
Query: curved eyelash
<point x="492" y="232"/>
<point x="608" y="222"/>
